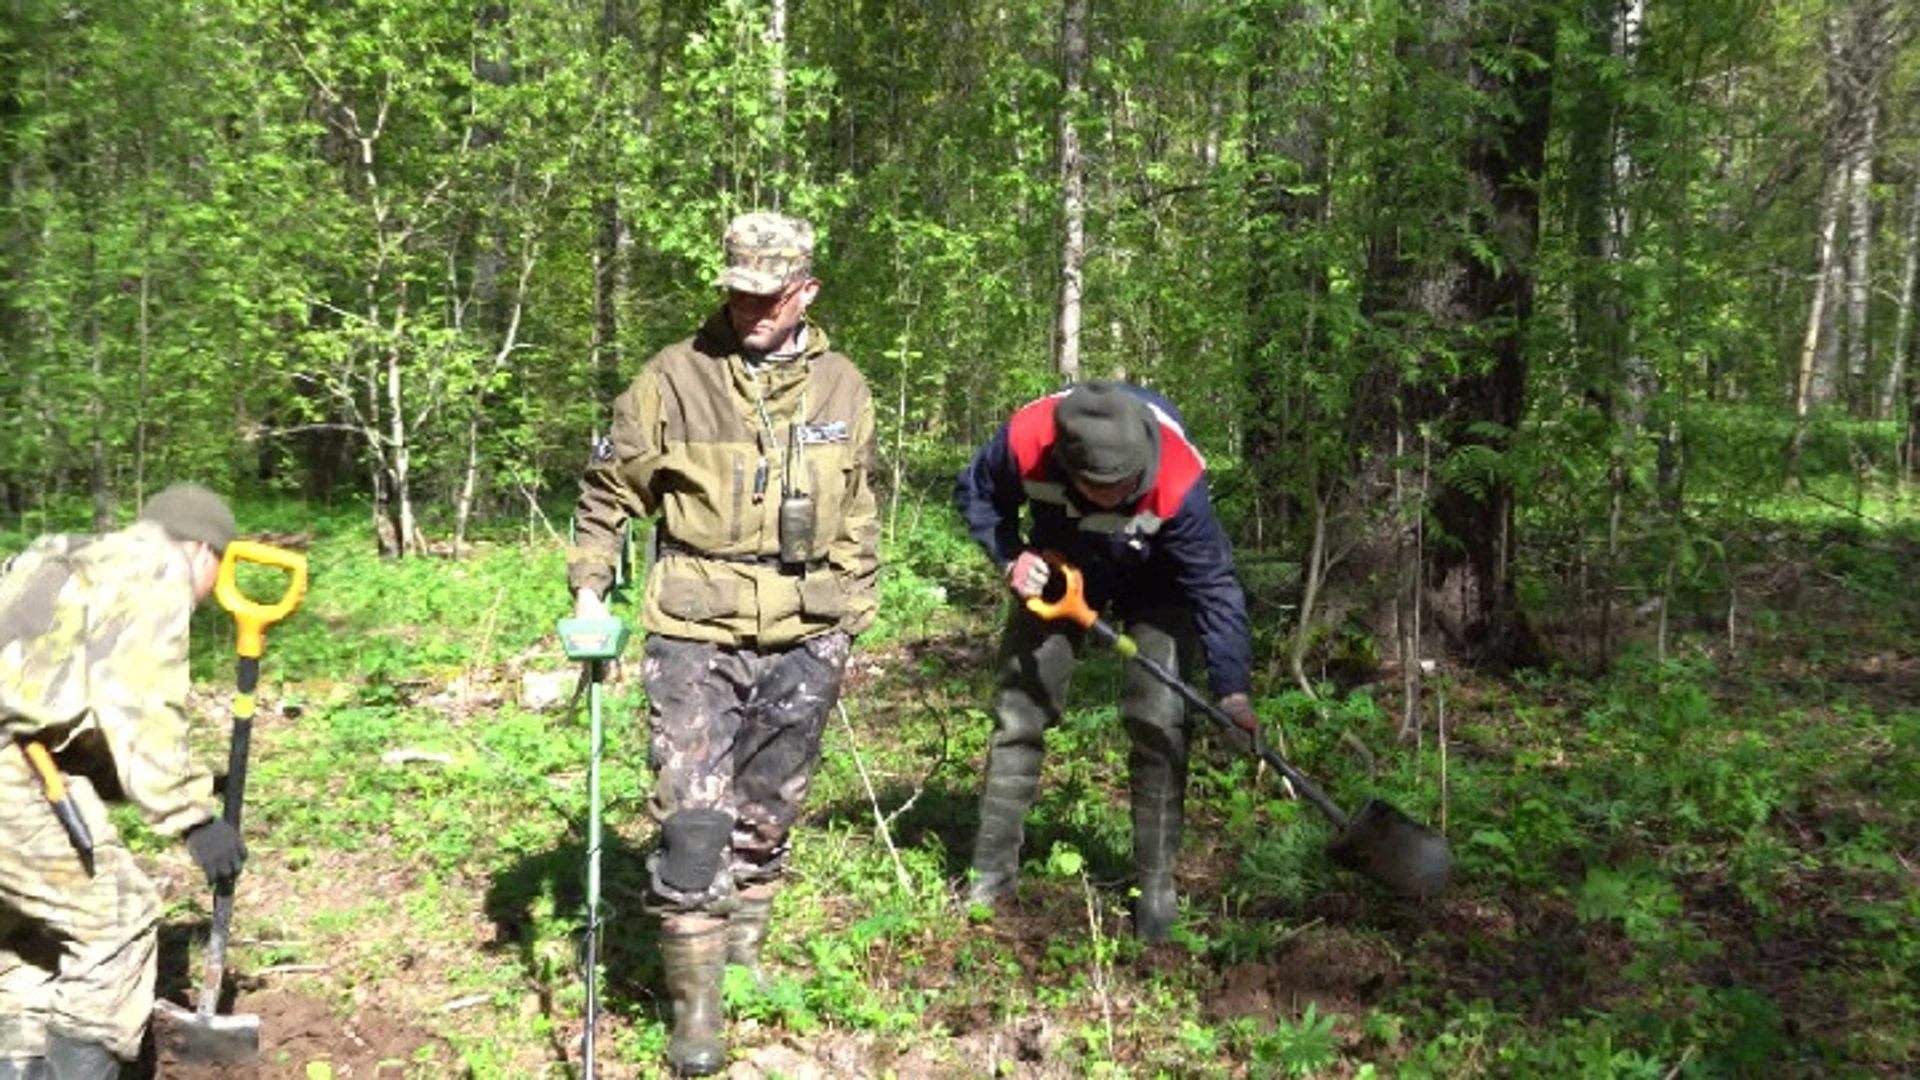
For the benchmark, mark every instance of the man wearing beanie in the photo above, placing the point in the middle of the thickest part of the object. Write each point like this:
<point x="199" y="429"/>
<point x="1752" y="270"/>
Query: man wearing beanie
<point x="1111" y="483"/>
<point x="93" y="682"/>
<point x="751" y="446"/>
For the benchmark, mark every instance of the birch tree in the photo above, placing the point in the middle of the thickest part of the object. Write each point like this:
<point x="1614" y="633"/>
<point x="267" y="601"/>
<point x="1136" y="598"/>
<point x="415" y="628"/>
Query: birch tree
<point x="1073" y="191"/>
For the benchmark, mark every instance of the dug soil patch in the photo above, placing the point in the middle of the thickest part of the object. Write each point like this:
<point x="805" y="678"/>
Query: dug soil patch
<point x="301" y="1037"/>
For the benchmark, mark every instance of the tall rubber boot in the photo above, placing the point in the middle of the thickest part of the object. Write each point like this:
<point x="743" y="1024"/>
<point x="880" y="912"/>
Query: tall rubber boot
<point x="1158" y="821"/>
<point x="747" y="928"/>
<point x="694" y="950"/>
<point x="1036" y="660"/>
<point x="1156" y="723"/>
<point x="1003" y="828"/>
<point x="69" y="1058"/>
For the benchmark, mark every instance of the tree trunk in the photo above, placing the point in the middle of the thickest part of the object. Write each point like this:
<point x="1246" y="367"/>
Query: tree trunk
<point x="1897" y="361"/>
<point x="1286" y="197"/>
<point x="1815" y="386"/>
<point x="1476" y="301"/>
<point x="1073" y="193"/>
<point x="1601" y="173"/>
<point x="1859" y="262"/>
<point x="97" y="396"/>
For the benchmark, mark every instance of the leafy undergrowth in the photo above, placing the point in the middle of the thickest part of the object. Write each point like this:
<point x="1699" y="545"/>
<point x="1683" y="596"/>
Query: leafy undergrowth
<point x="1704" y="866"/>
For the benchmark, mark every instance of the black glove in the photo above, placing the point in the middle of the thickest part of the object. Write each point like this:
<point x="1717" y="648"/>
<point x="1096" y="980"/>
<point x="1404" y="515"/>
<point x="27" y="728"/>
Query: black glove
<point x="1245" y="724"/>
<point x="216" y="846"/>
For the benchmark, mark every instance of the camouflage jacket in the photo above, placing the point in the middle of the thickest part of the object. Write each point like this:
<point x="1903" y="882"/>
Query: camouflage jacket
<point x="688" y="439"/>
<point x="93" y="651"/>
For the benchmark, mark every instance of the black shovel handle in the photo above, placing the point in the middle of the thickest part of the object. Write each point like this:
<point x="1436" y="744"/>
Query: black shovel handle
<point x="251" y="619"/>
<point x="1072" y="605"/>
<point x="236" y="795"/>
<point x="1126" y="647"/>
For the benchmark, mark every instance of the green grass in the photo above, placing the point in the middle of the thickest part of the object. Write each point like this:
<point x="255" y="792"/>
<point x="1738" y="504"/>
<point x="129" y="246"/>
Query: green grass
<point x="1700" y="866"/>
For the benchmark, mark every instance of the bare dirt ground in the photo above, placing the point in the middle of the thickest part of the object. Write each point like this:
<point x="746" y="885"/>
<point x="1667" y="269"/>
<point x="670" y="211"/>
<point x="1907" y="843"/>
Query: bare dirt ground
<point x="304" y="1038"/>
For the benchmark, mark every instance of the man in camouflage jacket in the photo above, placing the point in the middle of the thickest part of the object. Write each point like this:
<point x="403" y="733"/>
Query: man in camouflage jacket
<point x="751" y="445"/>
<point x="93" y="669"/>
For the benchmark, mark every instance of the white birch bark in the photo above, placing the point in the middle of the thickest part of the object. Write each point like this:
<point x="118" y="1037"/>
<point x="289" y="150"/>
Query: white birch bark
<point x="1860" y="250"/>
<point x="1073" y="249"/>
<point x="1903" y="327"/>
<point x="1813" y="385"/>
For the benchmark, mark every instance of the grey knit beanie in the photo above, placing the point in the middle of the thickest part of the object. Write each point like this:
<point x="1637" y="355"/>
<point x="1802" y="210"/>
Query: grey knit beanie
<point x="192" y="512"/>
<point x="1106" y="434"/>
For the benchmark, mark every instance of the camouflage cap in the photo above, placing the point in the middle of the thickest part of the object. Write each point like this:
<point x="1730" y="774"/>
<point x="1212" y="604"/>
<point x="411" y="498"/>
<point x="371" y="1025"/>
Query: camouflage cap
<point x="766" y="252"/>
<point x="192" y="512"/>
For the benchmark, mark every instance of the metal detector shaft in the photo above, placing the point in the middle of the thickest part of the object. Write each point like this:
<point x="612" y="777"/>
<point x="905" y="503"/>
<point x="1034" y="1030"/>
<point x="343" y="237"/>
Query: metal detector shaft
<point x="596" y="643"/>
<point x="595" y="674"/>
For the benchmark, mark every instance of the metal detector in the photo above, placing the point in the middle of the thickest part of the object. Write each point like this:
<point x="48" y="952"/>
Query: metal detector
<point x="596" y="643"/>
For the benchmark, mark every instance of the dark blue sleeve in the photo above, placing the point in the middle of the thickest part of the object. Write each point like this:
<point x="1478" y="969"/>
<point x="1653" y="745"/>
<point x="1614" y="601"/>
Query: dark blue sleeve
<point x="1202" y="557"/>
<point x="988" y="494"/>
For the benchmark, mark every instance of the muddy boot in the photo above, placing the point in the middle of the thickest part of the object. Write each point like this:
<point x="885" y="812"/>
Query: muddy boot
<point x="694" y="949"/>
<point x="1158" y="821"/>
<point x="69" y="1058"/>
<point x="1156" y="847"/>
<point x="1036" y="659"/>
<point x="996" y="847"/>
<point x="747" y="928"/>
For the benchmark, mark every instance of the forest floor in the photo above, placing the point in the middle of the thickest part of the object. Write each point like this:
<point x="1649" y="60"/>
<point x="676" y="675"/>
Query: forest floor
<point x="366" y="950"/>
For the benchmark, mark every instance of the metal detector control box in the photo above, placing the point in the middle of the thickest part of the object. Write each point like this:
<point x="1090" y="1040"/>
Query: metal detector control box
<point x="593" y="639"/>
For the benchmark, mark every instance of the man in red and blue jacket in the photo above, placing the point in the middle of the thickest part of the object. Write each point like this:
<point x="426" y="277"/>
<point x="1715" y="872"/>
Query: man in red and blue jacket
<point x="1112" y="484"/>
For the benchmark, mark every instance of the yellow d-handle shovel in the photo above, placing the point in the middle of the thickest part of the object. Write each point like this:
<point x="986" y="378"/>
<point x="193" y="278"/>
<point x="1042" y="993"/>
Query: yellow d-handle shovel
<point x="54" y="786"/>
<point x="202" y="1035"/>
<point x="1379" y="841"/>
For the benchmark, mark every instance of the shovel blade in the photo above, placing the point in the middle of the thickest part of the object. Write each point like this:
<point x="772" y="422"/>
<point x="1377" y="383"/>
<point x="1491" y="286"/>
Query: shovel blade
<point x="1393" y="849"/>
<point x="186" y="1036"/>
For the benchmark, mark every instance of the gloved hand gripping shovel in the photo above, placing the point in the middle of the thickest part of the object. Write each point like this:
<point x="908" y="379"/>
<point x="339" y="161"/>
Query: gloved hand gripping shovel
<point x="202" y="1035"/>
<point x="596" y="642"/>
<point x="1379" y="841"/>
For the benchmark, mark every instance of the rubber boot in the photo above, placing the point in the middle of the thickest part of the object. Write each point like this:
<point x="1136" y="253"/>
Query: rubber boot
<point x="28" y="1069"/>
<point x="69" y="1058"/>
<point x="747" y="928"/>
<point x="1158" y="821"/>
<point x="1035" y="663"/>
<point x="1003" y="825"/>
<point x="694" y="949"/>
<point x="1156" y="722"/>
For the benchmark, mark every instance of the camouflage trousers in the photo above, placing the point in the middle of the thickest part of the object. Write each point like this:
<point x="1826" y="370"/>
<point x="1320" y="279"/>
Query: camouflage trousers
<point x="77" y="951"/>
<point x="737" y="730"/>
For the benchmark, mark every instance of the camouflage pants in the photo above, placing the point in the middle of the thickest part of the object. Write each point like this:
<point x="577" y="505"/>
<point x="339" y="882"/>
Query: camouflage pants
<point x="738" y="731"/>
<point x="77" y="952"/>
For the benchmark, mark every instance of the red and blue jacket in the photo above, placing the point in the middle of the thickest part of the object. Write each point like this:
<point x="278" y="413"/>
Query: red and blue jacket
<point x="1164" y="547"/>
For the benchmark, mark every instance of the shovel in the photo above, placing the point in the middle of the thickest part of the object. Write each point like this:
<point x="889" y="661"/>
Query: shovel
<point x="1379" y="841"/>
<point x="201" y="1035"/>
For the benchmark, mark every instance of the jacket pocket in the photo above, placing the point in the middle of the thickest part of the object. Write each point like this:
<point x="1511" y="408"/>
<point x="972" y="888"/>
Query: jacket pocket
<point x="822" y="597"/>
<point x="698" y="599"/>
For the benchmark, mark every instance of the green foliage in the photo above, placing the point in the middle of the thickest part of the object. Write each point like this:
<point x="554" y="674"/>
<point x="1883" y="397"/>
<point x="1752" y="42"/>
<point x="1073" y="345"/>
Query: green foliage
<point x="1642" y="835"/>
